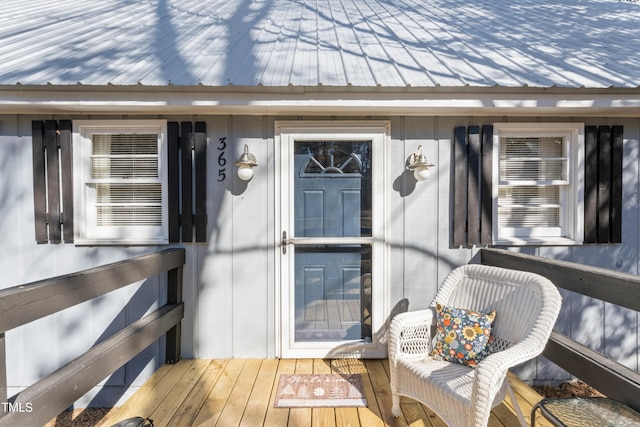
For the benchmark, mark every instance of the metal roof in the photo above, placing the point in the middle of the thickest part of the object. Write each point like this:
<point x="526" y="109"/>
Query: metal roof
<point x="311" y="43"/>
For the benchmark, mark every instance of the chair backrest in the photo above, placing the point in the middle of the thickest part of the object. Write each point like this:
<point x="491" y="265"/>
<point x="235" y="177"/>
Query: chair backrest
<point x="522" y="300"/>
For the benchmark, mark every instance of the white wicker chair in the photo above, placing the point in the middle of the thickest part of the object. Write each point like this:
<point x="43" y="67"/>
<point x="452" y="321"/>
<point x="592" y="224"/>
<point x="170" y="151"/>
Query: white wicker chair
<point x="527" y="306"/>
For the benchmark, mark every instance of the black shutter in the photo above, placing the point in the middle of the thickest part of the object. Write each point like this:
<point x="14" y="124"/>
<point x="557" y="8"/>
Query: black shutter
<point x="52" y="180"/>
<point x="66" y="173"/>
<point x="173" y="178"/>
<point x="39" y="182"/>
<point x="474" y="149"/>
<point x="472" y="194"/>
<point x="590" y="184"/>
<point x="53" y="183"/>
<point x="200" y="163"/>
<point x="186" y="150"/>
<point x="615" y="215"/>
<point x="603" y="184"/>
<point x="459" y="199"/>
<point x="187" y="165"/>
<point x="486" y="192"/>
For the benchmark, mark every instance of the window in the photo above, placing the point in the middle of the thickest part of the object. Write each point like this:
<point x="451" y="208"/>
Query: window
<point x="539" y="196"/>
<point x="121" y="193"/>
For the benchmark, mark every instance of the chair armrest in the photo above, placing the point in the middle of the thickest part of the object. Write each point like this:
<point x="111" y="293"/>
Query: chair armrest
<point x="410" y="335"/>
<point x="491" y="371"/>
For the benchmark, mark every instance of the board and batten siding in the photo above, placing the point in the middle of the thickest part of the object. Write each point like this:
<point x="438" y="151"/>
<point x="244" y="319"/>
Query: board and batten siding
<point x="237" y="284"/>
<point x="40" y="347"/>
<point x="231" y="280"/>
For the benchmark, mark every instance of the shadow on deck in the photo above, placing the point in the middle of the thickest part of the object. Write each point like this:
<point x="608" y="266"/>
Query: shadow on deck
<point x="239" y="392"/>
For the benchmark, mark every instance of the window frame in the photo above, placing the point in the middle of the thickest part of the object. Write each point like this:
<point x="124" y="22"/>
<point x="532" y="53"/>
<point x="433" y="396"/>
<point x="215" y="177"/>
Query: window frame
<point x="87" y="231"/>
<point x="571" y="230"/>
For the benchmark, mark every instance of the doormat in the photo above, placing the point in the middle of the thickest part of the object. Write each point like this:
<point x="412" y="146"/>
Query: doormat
<point x="320" y="391"/>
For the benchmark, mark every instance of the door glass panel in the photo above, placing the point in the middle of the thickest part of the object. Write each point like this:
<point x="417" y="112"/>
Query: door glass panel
<point x="332" y="199"/>
<point x="332" y="292"/>
<point x="332" y="188"/>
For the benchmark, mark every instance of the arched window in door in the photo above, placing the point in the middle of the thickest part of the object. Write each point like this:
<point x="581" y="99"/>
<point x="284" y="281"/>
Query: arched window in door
<point x="331" y="160"/>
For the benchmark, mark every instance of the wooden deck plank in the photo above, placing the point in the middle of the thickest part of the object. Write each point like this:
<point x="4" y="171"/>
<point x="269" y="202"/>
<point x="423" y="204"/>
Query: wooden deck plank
<point x="416" y="415"/>
<point x="163" y="413"/>
<point x="333" y="314"/>
<point x="347" y="416"/>
<point x="322" y="417"/>
<point x="529" y="395"/>
<point x="504" y="416"/>
<point x="370" y="415"/>
<point x="527" y="398"/>
<point x="187" y="412"/>
<point x="260" y="397"/>
<point x="301" y="416"/>
<point x="239" y="392"/>
<point x="238" y="399"/>
<point x="322" y="366"/>
<point x="217" y="399"/>
<point x="279" y="416"/>
<point x="382" y="390"/>
<point x="152" y="392"/>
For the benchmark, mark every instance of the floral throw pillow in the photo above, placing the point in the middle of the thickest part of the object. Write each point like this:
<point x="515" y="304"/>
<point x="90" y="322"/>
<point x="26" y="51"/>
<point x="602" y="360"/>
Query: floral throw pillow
<point x="462" y="336"/>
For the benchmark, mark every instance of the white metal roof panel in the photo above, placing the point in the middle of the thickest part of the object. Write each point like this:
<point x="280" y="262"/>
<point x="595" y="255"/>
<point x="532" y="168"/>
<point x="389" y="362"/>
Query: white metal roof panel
<point x="373" y="43"/>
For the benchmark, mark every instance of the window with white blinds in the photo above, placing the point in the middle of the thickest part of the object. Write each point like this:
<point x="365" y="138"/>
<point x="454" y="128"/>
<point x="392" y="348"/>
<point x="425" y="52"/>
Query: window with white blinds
<point x="538" y="192"/>
<point x="124" y="182"/>
<point x="125" y="169"/>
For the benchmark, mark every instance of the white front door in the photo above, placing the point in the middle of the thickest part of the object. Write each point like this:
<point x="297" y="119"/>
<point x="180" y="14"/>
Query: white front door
<point x="332" y="241"/>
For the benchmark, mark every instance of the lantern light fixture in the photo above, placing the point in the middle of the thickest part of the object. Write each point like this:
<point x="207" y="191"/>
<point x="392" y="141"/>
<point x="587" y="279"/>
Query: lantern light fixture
<point x="245" y="164"/>
<point x="418" y="163"/>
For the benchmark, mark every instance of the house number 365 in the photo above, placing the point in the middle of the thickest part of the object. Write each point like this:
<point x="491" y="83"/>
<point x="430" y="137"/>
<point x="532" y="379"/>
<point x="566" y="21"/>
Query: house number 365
<point x="222" y="145"/>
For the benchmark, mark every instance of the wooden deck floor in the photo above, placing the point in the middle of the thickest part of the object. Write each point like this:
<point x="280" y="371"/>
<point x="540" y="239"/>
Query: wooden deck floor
<point x="237" y="392"/>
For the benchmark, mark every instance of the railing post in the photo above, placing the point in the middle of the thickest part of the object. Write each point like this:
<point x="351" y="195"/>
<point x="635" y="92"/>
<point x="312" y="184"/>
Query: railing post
<point x="174" y="296"/>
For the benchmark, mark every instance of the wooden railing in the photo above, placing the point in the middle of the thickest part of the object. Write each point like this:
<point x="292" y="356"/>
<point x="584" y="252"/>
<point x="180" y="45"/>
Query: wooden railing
<point x="47" y="398"/>
<point x="608" y="376"/>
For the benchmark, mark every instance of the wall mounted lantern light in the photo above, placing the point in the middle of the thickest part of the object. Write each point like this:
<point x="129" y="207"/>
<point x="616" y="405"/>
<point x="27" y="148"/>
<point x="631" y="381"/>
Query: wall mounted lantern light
<point x="246" y="163"/>
<point x="418" y="163"/>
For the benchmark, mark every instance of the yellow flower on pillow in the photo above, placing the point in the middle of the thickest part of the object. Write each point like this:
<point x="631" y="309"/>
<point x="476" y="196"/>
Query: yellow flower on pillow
<point x="469" y="333"/>
<point x="450" y="337"/>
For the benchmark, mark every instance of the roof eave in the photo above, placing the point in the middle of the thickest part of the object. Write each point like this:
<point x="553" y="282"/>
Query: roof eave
<point x="320" y="100"/>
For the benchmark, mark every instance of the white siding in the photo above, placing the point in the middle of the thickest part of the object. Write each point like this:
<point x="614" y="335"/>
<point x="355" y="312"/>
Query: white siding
<point x="230" y="282"/>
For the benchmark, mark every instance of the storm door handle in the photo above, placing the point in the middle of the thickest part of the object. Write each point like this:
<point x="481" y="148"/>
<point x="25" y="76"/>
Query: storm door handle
<point x="284" y="242"/>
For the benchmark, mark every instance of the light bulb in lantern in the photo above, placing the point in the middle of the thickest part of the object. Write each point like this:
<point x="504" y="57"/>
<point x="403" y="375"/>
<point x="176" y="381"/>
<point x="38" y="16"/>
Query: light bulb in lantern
<point x="246" y="163"/>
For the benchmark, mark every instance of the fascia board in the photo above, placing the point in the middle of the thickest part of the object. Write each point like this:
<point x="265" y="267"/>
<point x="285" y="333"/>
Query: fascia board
<point x="403" y="102"/>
